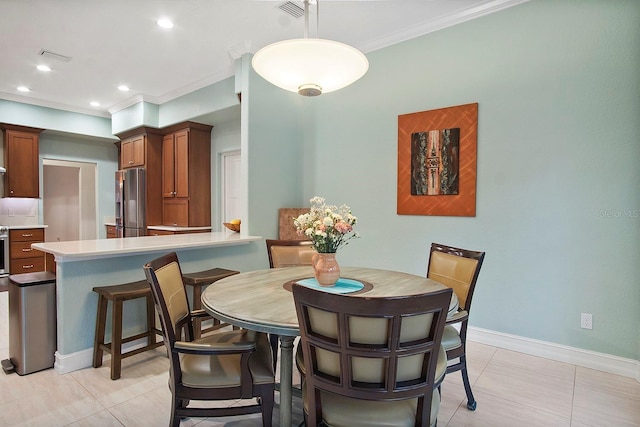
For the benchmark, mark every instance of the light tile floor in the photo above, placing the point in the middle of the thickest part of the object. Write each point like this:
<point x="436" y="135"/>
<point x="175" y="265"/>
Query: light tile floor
<point x="512" y="389"/>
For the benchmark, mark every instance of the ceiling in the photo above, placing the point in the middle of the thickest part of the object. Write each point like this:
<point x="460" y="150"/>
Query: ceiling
<point x="116" y="42"/>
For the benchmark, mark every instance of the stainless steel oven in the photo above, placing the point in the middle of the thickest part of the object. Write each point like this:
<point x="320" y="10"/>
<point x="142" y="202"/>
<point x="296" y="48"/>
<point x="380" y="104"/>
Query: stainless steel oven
<point x="4" y="250"/>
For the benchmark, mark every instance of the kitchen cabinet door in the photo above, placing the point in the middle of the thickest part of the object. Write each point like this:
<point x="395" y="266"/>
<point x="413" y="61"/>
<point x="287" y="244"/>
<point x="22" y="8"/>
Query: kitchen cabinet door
<point x="175" y="165"/>
<point x="21" y="161"/>
<point x="111" y="232"/>
<point x="132" y="155"/>
<point x="176" y="212"/>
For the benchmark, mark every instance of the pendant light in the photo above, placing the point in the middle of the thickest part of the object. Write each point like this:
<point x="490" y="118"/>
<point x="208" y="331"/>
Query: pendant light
<point x="310" y="66"/>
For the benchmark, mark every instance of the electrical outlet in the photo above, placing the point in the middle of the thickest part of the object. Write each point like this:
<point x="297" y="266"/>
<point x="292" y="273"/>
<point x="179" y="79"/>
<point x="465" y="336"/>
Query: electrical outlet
<point x="586" y="320"/>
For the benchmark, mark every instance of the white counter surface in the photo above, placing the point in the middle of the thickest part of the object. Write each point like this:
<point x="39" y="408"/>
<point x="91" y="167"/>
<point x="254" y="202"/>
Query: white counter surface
<point x="81" y="250"/>
<point x="23" y="227"/>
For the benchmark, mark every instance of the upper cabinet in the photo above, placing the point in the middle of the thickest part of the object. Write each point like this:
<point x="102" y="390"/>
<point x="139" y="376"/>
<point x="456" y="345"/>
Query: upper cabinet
<point x="21" y="160"/>
<point x="186" y="175"/>
<point x="132" y="152"/>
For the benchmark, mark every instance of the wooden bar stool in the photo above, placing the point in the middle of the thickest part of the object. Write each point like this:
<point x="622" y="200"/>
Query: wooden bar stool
<point x="117" y="294"/>
<point x="197" y="281"/>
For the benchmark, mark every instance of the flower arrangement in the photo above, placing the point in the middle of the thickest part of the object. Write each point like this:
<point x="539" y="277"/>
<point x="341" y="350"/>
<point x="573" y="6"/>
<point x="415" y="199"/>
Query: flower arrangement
<point x="327" y="226"/>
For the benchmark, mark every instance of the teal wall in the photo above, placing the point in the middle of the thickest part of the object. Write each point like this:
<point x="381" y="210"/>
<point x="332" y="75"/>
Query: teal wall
<point x="17" y="113"/>
<point x="274" y="154"/>
<point x="558" y="205"/>
<point x="225" y="138"/>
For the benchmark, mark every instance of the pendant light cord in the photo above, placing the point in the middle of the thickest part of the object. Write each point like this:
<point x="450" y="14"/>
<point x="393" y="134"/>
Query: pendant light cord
<point x="306" y="19"/>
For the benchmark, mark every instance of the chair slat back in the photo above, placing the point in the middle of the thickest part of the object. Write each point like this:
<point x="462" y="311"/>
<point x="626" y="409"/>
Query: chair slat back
<point x="165" y="278"/>
<point x="371" y="348"/>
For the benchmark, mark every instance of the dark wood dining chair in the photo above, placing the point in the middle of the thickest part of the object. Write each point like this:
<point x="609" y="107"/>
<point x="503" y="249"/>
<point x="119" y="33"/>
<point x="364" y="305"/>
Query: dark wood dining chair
<point x="371" y="361"/>
<point x="226" y="365"/>
<point x="287" y="253"/>
<point x="458" y="269"/>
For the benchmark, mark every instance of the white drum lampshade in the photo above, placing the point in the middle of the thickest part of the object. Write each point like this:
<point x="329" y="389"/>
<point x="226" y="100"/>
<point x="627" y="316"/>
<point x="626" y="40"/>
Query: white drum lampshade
<point x="310" y="66"/>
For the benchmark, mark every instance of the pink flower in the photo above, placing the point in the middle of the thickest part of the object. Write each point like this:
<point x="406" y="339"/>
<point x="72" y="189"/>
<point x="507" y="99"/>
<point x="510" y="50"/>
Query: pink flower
<point x="343" y="227"/>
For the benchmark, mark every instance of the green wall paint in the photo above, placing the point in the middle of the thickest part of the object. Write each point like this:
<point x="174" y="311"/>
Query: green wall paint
<point x="558" y="144"/>
<point x="274" y="154"/>
<point x="17" y="113"/>
<point x="215" y="97"/>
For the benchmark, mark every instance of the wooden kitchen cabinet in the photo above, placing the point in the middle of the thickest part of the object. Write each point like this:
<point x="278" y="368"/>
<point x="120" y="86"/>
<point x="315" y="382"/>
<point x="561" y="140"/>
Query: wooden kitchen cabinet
<point x="142" y="148"/>
<point x="186" y="175"/>
<point x="132" y="152"/>
<point x="22" y="258"/>
<point x="21" y="160"/>
<point x="111" y="232"/>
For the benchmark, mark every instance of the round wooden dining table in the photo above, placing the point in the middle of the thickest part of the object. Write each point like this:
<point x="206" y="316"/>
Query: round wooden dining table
<point x="262" y="301"/>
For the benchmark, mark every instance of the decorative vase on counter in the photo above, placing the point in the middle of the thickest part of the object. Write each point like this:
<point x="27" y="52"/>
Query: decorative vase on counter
<point x="326" y="268"/>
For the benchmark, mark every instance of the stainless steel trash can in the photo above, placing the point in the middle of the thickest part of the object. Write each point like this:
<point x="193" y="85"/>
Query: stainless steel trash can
<point x="32" y="321"/>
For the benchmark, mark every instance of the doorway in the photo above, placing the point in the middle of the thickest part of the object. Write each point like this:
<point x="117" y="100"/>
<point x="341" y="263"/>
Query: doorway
<point x="230" y="186"/>
<point x="69" y="205"/>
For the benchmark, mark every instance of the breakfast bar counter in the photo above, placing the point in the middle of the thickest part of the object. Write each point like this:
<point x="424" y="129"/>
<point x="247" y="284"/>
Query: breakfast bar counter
<point x="83" y="250"/>
<point x="84" y="264"/>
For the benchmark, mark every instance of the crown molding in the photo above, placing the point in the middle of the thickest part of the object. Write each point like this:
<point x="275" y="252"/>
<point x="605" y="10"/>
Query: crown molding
<point x="54" y="105"/>
<point x="440" y="23"/>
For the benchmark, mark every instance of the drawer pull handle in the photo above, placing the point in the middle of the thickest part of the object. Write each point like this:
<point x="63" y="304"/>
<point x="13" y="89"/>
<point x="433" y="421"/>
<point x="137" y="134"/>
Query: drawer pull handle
<point x="27" y="235"/>
<point x="27" y="266"/>
<point x="27" y="250"/>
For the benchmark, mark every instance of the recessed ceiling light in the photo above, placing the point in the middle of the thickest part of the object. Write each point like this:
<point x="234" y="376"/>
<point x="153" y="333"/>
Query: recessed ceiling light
<point x="165" y="23"/>
<point x="24" y="89"/>
<point x="43" y="67"/>
<point x="94" y="103"/>
<point x="123" y="88"/>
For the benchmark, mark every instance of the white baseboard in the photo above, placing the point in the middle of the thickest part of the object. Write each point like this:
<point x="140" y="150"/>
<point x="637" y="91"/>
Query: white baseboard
<point x="65" y="363"/>
<point x="576" y="356"/>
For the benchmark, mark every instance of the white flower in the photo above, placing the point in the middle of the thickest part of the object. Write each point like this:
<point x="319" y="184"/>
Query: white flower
<point x="327" y="226"/>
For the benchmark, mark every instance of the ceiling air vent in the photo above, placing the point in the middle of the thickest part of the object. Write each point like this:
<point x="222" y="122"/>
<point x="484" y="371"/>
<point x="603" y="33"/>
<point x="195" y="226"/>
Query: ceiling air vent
<point x="51" y="55"/>
<point x="292" y="9"/>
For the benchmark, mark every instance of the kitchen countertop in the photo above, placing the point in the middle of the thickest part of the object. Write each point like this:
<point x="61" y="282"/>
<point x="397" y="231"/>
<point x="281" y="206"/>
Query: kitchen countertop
<point x="23" y="227"/>
<point x="82" y="250"/>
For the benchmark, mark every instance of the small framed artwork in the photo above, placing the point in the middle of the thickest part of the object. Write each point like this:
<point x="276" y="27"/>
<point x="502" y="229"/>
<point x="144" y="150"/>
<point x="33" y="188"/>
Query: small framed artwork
<point x="437" y="162"/>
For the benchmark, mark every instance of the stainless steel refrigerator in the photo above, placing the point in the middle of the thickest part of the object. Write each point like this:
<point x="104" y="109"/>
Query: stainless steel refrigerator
<point x="130" y="203"/>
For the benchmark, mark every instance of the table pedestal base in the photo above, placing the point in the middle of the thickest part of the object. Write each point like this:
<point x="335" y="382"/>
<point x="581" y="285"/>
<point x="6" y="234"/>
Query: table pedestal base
<point x="286" y="378"/>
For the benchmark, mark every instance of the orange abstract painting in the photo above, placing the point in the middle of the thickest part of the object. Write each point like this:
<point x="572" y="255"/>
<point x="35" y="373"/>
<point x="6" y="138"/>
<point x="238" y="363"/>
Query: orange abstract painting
<point x="437" y="152"/>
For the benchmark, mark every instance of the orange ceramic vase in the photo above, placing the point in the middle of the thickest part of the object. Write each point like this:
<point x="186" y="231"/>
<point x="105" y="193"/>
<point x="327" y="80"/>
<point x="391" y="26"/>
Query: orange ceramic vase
<point x="326" y="269"/>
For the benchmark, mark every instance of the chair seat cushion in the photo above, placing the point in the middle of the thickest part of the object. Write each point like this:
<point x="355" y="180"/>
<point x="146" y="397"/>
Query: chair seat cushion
<point x="205" y="371"/>
<point x="450" y="338"/>
<point x="339" y="411"/>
